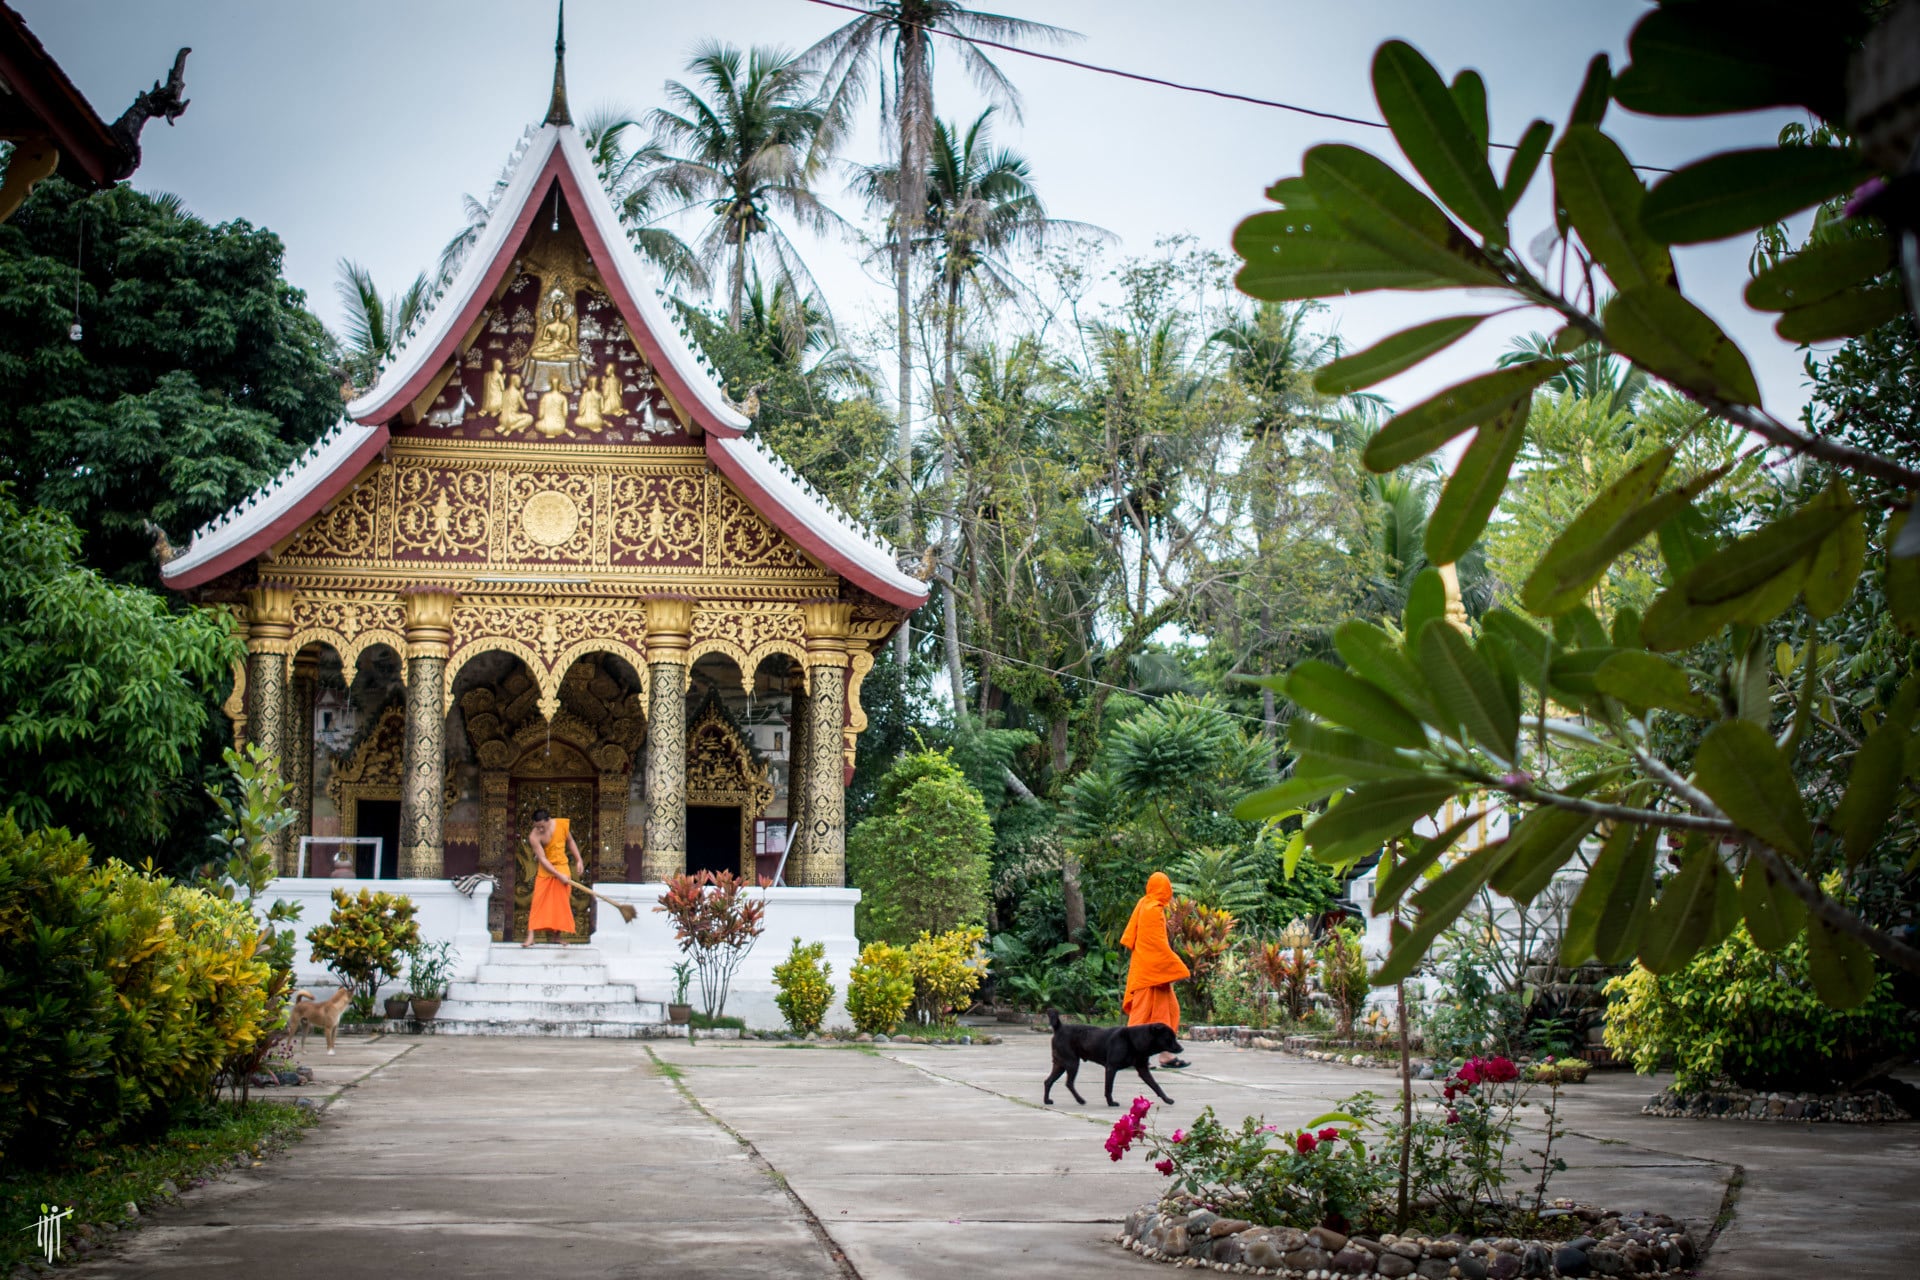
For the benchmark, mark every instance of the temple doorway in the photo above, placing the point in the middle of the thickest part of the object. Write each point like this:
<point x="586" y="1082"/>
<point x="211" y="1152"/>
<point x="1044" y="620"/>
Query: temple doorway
<point x="569" y="798"/>
<point x="377" y="818"/>
<point x="713" y="838"/>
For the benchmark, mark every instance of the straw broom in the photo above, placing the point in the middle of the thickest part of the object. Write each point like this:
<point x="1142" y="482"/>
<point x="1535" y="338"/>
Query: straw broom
<point x="626" y="909"/>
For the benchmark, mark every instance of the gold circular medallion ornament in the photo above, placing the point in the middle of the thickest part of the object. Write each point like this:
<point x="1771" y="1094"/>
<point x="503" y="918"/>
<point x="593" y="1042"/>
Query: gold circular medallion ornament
<point x="550" y="518"/>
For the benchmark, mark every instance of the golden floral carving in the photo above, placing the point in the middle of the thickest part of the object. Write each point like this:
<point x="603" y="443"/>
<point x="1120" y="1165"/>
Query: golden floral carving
<point x="440" y="511"/>
<point x="657" y="517"/>
<point x="345" y="529"/>
<point x="738" y="537"/>
<point x="748" y="633"/>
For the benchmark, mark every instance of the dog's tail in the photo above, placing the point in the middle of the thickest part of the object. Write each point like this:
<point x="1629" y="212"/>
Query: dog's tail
<point x="1053" y="1019"/>
<point x="302" y="994"/>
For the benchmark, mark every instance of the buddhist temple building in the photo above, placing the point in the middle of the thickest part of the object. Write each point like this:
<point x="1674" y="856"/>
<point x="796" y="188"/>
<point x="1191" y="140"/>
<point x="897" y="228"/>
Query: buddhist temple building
<point x="543" y="562"/>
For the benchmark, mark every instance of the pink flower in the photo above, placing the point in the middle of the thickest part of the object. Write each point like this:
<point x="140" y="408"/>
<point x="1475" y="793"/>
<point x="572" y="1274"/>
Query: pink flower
<point x="1128" y="1129"/>
<point x="1329" y="1134"/>
<point x="1305" y="1143"/>
<point x="1165" y="1167"/>
<point x="1179" y="1135"/>
<point x="1453" y="1117"/>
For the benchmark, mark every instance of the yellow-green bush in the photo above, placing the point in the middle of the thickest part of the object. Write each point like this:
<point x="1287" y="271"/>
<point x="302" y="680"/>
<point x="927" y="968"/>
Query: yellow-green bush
<point x="364" y="941"/>
<point x="947" y="969"/>
<point x="121" y="994"/>
<point x="879" y="988"/>
<point x="804" y="992"/>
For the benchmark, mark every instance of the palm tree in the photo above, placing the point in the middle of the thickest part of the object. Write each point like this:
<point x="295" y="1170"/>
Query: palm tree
<point x="800" y="337"/>
<point x="850" y="59"/>
<point x="374" y="324"/>
<point x="748" y="140"/>
<point x="980" y="203"/>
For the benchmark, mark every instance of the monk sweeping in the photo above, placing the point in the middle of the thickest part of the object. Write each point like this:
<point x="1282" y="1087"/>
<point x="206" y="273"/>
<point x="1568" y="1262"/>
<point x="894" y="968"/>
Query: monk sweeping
<point x="551" y="840"/>
<point x="1154" y="968"/>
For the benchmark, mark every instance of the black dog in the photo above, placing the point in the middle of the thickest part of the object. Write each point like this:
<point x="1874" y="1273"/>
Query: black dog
<point x="1115" y="1048"/>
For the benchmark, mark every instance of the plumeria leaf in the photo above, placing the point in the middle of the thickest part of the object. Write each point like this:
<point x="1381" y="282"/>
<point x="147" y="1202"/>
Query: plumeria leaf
<point x="1879" y="767"/>
<point x="1542" y="842"/>
<point x="1466" y="688"/>
<point x="1605" y="919"/>
<point x="1407" y="872"/>
<point x="1414" y="433"/>
<point x="1287" y="797"/>
<point x="1427" y="123"/>
<point x="1843" y="974"/>
<point x="1844" y="315"/>
<point x="1346" y="699"/>
<point x="1737" y="192"/>
<point x="1739" y="766"/>
<point x="1773" y="912"/>
<point x="1392" y="355"/>
<point x="1679" y="923"/>
<point x="1598" y="188"/>
<point x="1819" y="272"/>
<point x="1478" y="480"/>
<point x="1654" y="326"/>
<point x="1642" y="679"/>
<point x="1327" y="750"/>
<point x="1372" y="202"/>
<point x="1524" y="162"/>
<point x="1372" y="813"/>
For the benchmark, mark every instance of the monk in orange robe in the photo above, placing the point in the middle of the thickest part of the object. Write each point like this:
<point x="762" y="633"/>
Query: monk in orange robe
<point x="1154" y="968"/>
<point x="552" y="842"/>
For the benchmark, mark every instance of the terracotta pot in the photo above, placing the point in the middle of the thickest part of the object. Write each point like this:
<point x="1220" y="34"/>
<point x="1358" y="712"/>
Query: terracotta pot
<point x="679" y="1014"/>
<point x="396" y="1006"/>
<point x="424" y="1010"/>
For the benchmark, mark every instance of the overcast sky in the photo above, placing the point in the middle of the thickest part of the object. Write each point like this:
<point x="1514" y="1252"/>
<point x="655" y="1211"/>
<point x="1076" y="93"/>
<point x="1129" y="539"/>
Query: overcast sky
<point x="353" y="127"/>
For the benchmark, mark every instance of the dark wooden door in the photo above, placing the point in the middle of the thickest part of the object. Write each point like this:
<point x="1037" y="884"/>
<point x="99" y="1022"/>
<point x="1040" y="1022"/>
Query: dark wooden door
<point x="713" y="838"/>
<point x="573" y="801"/>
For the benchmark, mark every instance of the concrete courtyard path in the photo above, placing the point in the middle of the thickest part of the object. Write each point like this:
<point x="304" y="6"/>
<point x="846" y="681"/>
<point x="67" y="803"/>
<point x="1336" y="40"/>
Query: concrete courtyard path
<point x="584" y="1158"/>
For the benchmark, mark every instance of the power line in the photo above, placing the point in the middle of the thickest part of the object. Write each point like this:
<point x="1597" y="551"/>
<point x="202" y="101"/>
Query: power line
<point x="1143" y="78"/>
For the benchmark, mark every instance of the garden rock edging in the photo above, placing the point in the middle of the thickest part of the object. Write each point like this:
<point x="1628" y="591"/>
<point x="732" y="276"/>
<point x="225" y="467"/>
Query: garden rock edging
<point x="1619" y="1245"/>
<point x="1870" y="1106"/>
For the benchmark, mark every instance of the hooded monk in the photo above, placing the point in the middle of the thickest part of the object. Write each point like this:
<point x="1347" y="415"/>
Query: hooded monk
<point x="551" y="840"/>
<point x="1155" y="968"/>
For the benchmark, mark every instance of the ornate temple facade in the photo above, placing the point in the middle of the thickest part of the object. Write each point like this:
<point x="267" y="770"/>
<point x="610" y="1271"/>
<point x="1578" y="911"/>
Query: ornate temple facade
<point x="543" y="562"/>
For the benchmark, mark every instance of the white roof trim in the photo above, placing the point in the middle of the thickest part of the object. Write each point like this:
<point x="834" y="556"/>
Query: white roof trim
<point x="273" y="499"/>
<point x="827" y="522"/>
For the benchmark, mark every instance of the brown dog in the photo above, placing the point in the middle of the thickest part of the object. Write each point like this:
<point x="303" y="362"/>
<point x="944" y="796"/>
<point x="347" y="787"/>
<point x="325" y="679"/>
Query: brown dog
<point x="324" y="1014"/>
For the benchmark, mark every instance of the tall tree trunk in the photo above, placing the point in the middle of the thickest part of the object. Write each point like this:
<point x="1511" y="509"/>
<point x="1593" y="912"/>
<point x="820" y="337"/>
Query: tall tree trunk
<point x="915" y="109"/>
<point x="737" y="278"/>
<point x="950" y="509"/>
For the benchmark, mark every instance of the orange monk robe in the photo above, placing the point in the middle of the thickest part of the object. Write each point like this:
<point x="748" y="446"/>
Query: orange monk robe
<point x="1155" y="968"/>
<point x="552" y="899"/>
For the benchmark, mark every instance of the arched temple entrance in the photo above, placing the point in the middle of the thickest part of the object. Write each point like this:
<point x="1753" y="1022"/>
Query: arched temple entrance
<point x="728" y="789"/>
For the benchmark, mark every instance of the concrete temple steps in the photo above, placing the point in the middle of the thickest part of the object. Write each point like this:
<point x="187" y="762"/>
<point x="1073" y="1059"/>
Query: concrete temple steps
<point x="547" y="991"/>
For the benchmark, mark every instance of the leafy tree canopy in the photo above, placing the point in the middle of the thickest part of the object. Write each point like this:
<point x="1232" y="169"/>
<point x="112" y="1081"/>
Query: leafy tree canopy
<point x="198" y="373"/>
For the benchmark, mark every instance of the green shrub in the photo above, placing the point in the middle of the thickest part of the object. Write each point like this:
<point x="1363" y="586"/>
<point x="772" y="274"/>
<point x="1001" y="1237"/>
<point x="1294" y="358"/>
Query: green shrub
<point x="805" y="993"/>
<point x="921" y="860"/>
<point x="122" y="994"/>
<point x="946" y="972"/>
<point x="364" y="941"/>
<point x="1739" y="1013"/>
<point x="1343" y="975"/>
<point x="879" y="988"/>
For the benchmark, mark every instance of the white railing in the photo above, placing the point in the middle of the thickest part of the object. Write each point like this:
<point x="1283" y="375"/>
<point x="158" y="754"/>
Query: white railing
<point x="378" y="843"/>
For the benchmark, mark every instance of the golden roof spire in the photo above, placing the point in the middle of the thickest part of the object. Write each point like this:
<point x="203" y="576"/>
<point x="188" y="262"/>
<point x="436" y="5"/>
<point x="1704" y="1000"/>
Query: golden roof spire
<point x="557" y="112"/>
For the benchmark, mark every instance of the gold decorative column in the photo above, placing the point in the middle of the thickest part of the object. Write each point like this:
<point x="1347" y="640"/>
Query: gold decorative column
<point x="797" y="739"/>
<point x="299" y="739"/>
<point x="611" y="831"/>
<point x="424" y="762"/>
<point x="495" y="858"/>
<point x="269" y="641"/>
<point x="827" y="627"/>
<point x="669" y="624"/>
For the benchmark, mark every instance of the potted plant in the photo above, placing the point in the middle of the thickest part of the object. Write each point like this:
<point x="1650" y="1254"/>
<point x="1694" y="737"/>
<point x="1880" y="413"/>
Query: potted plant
<point x="396" y="1006"/>
<point x="428" y="978"/>
<point x="679" y="1011"/>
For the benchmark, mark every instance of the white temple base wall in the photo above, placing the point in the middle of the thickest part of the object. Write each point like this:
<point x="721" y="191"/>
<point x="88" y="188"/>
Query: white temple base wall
<point x="443" y="913"/>
<point x="644" y="952"/>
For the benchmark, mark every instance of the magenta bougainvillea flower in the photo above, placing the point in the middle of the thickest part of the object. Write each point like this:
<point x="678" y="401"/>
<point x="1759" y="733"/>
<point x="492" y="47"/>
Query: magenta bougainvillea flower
<point x="1165" y="1167"/>
<point x="1329" y="1134"/>
<point x="1128" y="1129"/>
<point x="1179" y="1135"/>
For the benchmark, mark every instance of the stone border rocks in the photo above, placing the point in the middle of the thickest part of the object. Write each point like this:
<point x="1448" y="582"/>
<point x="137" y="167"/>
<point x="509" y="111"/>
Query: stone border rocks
<point x="1870" y="1106"/>
<point x="840" y="1035"/>
<point x="1614" y="1245"/>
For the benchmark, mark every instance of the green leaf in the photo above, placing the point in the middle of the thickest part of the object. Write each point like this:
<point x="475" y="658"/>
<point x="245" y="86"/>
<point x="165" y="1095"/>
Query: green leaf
<point x="1426" y="600"/>
<point x="1292" y="255"/>
<point x="1686" y="538"/>
<point x="1754" y="560"/>
<point x="1474" y="488"/>
<point x="1843" y="974"/>
<point x="1579" y="627"/>
<point x="1819" y="272"/>
<point x="1575" y="673"/>
<point x="1427" y="123"/>
<point x="1372" y="813"/>
<point x="1524" y="161"/>
<point x="1414" y="433"/>
<point x="1657" y="328"/>
<point x="1836" y="567"/>
<point x="1326" y="750"/>
<point x="1596" y="88"/>
<point x="1679" y="923"/>
<point x="1376" y="657"/>
<point x="1407" y="871"/>
<point x="1736" y="192"/>
<point x="1745" y="774"/>
<point x="1879" y="766"/>
<point x="1345" y="699"/>
<point x="1286" y="797"/>
<point x="1466" y="689"/>
<point x="1532" y="649"/>
<point x="1470" y="95"/>
<point x="1642" y="679"/>
<point x="1713" y="59"/>
<point x="1674" y="622"/>
<point x="1602" y="196"/>
<point x="1370" y="199"/>
<point x="1392" y="355"/>
<point x="1542" y="842"/>
<point x="1903" y="578"/>
<point x="1440" y="903"/>
<point x="1773" y="912"/>
<point x="1625" y="631"/>
<point x="1605" y="919"/>
<point x="1616" y="519"/>
<point x="1845" y="315"/>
